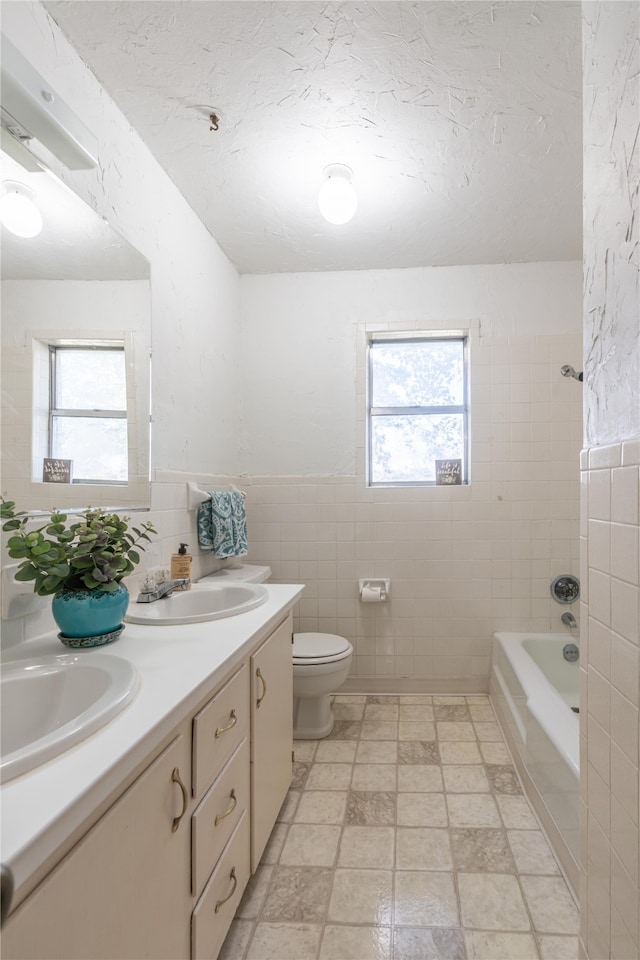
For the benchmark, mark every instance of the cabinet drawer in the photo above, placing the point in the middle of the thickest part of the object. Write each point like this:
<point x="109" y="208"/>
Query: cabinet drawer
<point x="217" y="816"/>
<point x="218" y="729"/>
<point x="216" y="907"/>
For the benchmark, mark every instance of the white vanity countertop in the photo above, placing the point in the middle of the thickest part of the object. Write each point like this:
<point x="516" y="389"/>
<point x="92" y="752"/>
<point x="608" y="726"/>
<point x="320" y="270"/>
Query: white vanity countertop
<point x="177" y="666"/>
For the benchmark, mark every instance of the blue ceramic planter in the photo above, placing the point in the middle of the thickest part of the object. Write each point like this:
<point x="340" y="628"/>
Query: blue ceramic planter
<point x="90" y="613"/>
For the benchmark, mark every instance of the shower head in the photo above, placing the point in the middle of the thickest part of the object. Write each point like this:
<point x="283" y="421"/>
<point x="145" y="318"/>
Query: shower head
<point x="568" y="371"/>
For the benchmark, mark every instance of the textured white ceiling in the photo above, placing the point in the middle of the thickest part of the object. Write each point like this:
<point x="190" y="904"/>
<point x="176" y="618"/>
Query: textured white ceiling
<point x="461" y="121"/>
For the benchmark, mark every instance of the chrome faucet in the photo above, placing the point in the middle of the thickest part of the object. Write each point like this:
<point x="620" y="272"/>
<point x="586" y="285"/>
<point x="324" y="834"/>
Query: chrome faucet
<point x="164" y="590"/>
<point x="569" y="620"/>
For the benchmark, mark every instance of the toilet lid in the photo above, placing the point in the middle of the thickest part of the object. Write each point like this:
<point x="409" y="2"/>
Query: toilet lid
<point x="317" y="646"/>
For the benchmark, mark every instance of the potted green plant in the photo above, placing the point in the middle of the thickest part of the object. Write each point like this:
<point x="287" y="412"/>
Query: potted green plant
<point x="80" y="561"/>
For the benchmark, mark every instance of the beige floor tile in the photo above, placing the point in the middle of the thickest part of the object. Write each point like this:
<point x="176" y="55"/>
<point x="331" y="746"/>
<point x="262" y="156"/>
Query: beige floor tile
<point x="310" y="845"/>
<point x="481" y="850"/>
<point x="449" y="701"/>
<point x="298" y="895"/>
<point x="305" y="750"/>
<point x="345" y="730"/>
<point x="419" y="778"/>
<point x="482" y="712"/>
<point x="551" y="905"/>
<point x="487" y="730"/>
<point x="516" y="813"/>
<point x="285" y="941"/>
<point x="423" y="730"/>
<point x="329" y="776"/>
<point x="416" y="751"/>
<point x="425" y="899"/>
<point x="455" y="730"/>
<point x="371" y="808"/>
<point x="361" y="897"/>
<point x="472" y="810"/>
<point x="348" y="711"/>
<point x="492" y="901"/>
<point x="275" y="843"/>
<point x="374" y="776"/>
<point x="422" y="810"/>
<point x="558" y="948"/>
<point x="322" y="806"/>
<point x="465" y="778"/>
<point x="336" y="751"/>
<point x="254" y="894"/>
<point x="503" y="778"/>
<point x="500" y="946"/>
<point x="421" y="943"/>
<point x="412" y="699"/>
<point x="289" y="807"/>
<point x="381" y="711"/>
<point x="356" y="943"/>
<point x="371" y="752"/>
<point x="379" y="730"/>
<point x="235" y="945"/>
<point x="494" y="752"/>
<point x="350" y="698"/>
<point x="299" y="774"/>
<point x="423" y="848"/>
<point x="460" y="752"/>
<point x="382" y="698"/>
<point x="532" y="853"/>
<point x="451" y="712"/>
<point x="418" y="713"/>
<point x="367" y="847"/>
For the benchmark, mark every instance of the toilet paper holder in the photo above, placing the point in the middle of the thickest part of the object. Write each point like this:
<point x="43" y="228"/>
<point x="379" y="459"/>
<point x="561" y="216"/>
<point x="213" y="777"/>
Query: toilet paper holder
<point x="374" y="589"/>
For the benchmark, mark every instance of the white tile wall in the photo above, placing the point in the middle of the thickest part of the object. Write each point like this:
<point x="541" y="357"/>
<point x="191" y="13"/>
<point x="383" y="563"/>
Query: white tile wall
<point x="610" y="668"/>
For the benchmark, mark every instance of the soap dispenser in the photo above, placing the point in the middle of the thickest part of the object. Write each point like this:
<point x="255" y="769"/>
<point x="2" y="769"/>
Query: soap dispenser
<point x="181" y="566"/>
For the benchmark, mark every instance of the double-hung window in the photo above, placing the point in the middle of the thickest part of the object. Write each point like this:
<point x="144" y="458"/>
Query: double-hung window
<point x="88" y="411"/>
<point x="417" y="407"/>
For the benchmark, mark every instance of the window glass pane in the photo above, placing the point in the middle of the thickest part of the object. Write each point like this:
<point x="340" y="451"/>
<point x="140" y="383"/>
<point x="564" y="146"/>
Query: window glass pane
<point x="419" y="374"/>
<point x="405" y="448"/>
<point x="97" y="446"/>
<point x="90" y="380"/>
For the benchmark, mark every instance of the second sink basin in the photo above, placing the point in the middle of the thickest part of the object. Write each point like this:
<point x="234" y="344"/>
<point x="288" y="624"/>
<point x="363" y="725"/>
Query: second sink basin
<point x="207" y="602"/>
<point x="52" y="702"/>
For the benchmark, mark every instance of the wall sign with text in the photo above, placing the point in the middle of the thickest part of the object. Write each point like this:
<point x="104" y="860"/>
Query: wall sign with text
<point x="448" y="471"/>
<point x="57" y="471"/>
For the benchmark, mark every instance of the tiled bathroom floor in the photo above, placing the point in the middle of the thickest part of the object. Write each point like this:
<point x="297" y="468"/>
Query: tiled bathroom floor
<point x="406" y="836"/>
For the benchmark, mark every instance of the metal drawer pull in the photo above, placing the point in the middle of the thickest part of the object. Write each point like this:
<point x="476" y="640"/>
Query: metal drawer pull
<point x="175" y="778"/>
<point x="221" y="730"/>
<point x="232" y="876"/>
<point x="264" y="688"/>
<point x="230" y="808"/>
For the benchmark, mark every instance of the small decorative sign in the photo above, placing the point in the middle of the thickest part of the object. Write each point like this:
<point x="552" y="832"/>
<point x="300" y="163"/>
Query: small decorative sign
<point x="448" y="472"/>
<point x="57" y="471"/>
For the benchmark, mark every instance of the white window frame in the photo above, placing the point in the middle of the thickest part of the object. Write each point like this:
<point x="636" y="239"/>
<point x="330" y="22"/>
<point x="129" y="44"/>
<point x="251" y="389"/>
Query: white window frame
<point x="417" y="337"/>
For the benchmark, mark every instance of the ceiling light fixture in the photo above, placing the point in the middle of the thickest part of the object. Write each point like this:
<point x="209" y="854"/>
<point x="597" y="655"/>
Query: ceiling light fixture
<point x="337" y="199"/>
<point x="18" y="212"/>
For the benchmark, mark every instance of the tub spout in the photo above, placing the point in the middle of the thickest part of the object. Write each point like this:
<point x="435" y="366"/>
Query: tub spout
<point x="570" y="621"/>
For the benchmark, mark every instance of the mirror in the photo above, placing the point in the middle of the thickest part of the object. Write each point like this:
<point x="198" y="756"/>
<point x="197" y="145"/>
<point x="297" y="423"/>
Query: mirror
<point x="78" y="281"/>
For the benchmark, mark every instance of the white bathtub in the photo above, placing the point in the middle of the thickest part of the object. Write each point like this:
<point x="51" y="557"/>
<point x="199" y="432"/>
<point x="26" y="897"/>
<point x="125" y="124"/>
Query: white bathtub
<point x="533" y="689"/>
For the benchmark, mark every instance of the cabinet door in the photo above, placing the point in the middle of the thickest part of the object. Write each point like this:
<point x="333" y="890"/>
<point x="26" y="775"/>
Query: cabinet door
<point x="123" y="890"/>
<point x="271" y="734"/>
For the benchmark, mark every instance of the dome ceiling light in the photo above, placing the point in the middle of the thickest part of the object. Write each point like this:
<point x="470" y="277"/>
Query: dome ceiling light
<point x="18" y="211"/>
<point x="337" y="198"/>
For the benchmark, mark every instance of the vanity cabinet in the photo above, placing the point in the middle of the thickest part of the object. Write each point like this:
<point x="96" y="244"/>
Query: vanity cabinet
<point x="271" y="734"/>
<point x="123" y="890"/>
<point x="160" y="875"/>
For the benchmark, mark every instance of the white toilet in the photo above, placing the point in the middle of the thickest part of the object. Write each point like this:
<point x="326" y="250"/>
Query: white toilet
<point x="321" y="663"/>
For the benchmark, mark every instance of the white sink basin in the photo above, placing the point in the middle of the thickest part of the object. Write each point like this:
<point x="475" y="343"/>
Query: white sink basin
<point x="52" y="702"/>
<point x="202" y="602"/>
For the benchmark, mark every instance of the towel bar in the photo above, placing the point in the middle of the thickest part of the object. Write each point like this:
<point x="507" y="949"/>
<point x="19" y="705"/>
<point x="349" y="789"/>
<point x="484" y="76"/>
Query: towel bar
<point x="196" y="496"/>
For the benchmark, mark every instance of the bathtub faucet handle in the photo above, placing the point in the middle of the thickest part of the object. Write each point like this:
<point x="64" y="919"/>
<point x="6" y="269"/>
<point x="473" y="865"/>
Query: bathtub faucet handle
<point x="569" y="620"/>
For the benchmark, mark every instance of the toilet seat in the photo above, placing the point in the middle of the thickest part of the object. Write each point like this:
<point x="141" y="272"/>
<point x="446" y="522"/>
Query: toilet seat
<point x="310" y="649"/>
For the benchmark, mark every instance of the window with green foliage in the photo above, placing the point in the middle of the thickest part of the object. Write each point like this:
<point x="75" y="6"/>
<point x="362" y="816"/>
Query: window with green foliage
<point x="88" y="411"/>
<point x="417" y="408"/>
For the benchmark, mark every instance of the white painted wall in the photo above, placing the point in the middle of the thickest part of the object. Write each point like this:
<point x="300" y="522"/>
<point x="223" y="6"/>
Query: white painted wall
<point x="299" y="335"/>
<point x="194" y="288"/>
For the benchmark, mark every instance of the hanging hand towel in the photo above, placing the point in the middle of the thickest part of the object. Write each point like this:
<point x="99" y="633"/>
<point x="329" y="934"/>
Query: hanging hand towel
<point x="222" y="524"/>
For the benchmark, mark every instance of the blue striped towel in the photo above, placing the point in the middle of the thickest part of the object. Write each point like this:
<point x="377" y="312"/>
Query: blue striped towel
<point x="222" y="524"/>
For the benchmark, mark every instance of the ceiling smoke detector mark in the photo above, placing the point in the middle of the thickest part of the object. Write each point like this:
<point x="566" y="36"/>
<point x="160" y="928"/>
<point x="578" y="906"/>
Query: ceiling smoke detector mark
<point x="208" y="113"/>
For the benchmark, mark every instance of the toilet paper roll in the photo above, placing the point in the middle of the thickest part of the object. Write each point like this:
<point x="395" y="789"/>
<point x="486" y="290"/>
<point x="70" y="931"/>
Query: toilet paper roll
<point x="371" y="595"/>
